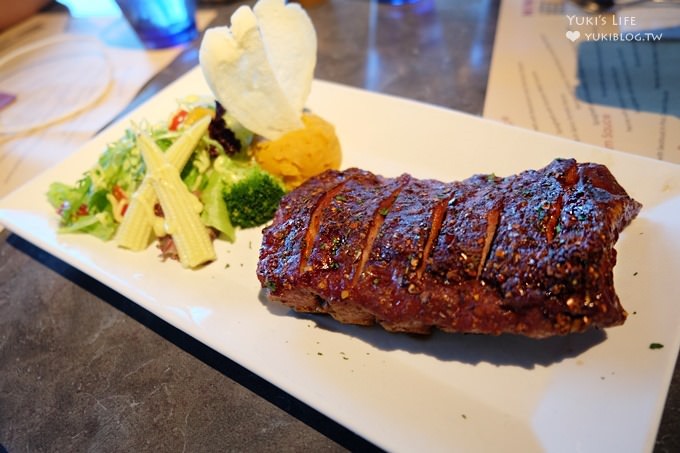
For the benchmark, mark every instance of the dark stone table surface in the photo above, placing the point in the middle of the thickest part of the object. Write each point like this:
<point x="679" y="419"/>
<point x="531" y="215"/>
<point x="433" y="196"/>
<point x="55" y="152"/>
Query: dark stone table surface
<point x="84" y="369"/>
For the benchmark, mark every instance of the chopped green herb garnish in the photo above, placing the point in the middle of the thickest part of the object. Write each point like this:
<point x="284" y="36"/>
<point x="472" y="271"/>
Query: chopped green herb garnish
<point x="540" y="212"/>
<point x="270" y="285"/>
<point x="655" y="346"/>
<point x="383" y="211"/>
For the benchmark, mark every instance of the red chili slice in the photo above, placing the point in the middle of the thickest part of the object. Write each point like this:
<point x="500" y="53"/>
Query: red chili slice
<point x="177" y="120"/>
<point x="118" y="193"/>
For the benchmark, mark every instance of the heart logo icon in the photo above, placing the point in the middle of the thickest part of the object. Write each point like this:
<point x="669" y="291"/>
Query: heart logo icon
<point x="573" y="35"/>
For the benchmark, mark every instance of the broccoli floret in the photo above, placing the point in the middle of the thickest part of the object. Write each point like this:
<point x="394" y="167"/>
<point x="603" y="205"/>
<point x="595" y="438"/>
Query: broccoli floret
<point x="252" y="195"/>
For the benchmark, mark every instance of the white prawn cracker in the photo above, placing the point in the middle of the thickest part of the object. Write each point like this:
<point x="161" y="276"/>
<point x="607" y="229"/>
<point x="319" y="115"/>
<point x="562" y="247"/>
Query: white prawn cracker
<point x="261" y="68"/>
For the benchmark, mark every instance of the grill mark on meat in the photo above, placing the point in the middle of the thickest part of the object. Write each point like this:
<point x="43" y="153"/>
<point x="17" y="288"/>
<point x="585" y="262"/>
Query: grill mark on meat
<point x="536" y="279"/>
<point x="438" y="216"/>
<point x="341" y="238"/>
<point x="492" y="222"/>
<point x="567" y="180"/>
<point x="281" y="249"/>
<point x="553" y="218"/>
<point x="378" y="220"/>
<point x="397" y="253"/>
<point x="315" y="220"/>
<point x="528" y="266"/>
<point x="522" y="237"/>
<point x="569" y="177"/>
<point x="458" y="253"/>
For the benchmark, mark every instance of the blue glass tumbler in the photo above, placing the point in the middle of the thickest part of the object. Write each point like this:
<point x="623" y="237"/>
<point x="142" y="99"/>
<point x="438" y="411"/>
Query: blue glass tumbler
<point x="161" y="23"/>
<point x="397" y="2"/>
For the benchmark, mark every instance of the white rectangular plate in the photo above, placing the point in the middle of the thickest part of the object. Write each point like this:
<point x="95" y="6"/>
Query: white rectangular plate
<point x="591" y="392"/>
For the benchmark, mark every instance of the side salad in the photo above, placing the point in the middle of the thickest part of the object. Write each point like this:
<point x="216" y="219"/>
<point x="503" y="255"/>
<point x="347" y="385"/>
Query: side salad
<point x="130" y="196"/>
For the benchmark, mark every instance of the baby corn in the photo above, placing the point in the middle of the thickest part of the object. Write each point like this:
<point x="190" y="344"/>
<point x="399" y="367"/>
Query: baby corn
<point x="135" y="231"/>
<point x="180" y="207"/>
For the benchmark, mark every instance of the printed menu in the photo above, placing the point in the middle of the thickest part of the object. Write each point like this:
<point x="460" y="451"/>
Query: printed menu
<point x="609" y="79"/>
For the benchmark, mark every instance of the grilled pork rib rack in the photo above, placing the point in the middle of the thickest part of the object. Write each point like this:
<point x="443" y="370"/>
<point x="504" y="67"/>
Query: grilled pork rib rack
<point x="530" y="254"/>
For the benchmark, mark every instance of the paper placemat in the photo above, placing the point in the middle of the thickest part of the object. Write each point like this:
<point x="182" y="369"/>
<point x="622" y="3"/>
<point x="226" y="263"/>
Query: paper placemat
<point x="64" y="117"/>
<point x="611" y="80"/>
